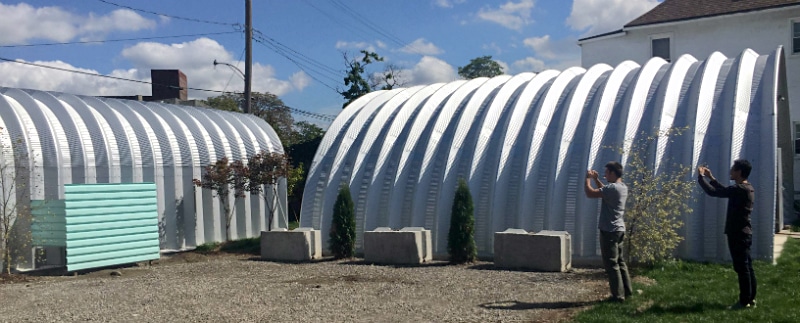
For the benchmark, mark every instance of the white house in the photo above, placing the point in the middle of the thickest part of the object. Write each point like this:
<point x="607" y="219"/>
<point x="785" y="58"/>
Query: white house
<point x="701" y="27"/>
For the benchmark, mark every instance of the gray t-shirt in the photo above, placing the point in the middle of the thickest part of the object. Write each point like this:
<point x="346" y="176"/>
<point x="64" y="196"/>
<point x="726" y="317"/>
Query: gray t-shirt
<point x="613" y="207"/>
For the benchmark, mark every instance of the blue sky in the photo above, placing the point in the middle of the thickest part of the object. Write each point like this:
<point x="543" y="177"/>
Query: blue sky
<point x="426" y="39"/>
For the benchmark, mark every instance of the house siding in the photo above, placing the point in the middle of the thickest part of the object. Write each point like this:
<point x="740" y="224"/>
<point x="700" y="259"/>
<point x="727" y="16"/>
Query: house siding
<point x="762" y="31"/>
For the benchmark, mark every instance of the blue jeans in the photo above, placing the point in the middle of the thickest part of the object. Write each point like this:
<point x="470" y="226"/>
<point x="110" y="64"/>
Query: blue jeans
<point x="618" y="278"/>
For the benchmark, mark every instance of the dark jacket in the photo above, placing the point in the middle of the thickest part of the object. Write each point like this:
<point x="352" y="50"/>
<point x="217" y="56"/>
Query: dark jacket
<point x="740" y="204"/>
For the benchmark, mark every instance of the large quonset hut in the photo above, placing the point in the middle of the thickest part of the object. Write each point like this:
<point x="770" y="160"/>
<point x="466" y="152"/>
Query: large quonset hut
<point x="63" y="139"/>
<point x="524" y="143"/>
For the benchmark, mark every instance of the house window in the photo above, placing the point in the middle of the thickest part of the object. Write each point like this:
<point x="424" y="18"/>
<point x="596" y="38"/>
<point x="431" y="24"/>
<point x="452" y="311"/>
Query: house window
<point x="797" y="138"/>
<point x="796" y="37"/>
<point x="660" y="47"/>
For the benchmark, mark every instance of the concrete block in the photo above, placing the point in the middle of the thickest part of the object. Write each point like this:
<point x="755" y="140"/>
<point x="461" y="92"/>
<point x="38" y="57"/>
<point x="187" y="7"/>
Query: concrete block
<point x="296" y="245"/>
<point x="550" y="251"/>
<point x="316" y="241"/>
<point x="393" y="247"/>
<point x="427" y="242"/>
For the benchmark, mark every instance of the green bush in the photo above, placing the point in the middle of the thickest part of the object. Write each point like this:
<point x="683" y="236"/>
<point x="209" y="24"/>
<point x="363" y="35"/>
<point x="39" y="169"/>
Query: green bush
<point x="461" y="238"/>
<point x="343" y="229"/>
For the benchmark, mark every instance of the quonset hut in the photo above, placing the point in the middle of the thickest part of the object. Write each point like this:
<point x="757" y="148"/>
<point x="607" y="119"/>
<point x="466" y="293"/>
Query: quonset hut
<point x="69" y="139"/>
<point x="524" y="143"/>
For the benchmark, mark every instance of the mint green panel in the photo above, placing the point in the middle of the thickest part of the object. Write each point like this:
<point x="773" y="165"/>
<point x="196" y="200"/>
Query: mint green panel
<point x="110" y="224"/>
<point x="48" y="225"/>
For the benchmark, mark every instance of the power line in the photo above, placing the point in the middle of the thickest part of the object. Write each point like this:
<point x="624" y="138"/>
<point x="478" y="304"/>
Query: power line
<point x="101" y="75"/>
<point x="173" y="17"/>
<point x="278" y="44"/>
<point x="230" y="78"/>
<point x="366" y="22"/>
<point x="324" y="117"/>
<point x="303" y="66"/>
<point x="342" y="22"/>
<point x="120" y="40"/>
<point x="320" y="116"/>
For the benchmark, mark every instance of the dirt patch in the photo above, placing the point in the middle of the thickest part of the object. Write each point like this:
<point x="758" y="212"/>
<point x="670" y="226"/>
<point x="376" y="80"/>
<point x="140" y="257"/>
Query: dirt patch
<point x="351" y="279"/>
<point x="187" y="257"/>
<point x="15" y="278"/>
<point x="647" y="281"/>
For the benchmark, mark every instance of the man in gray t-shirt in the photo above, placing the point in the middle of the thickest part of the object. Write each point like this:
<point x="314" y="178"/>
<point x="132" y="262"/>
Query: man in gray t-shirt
<point x="612" y="226"/>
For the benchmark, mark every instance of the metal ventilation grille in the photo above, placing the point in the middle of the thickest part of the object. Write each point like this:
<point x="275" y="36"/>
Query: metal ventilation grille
<point x="110" y="224"/>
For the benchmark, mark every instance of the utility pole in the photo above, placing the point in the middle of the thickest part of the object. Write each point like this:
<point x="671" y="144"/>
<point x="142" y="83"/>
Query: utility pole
<point x="248" y="60"/>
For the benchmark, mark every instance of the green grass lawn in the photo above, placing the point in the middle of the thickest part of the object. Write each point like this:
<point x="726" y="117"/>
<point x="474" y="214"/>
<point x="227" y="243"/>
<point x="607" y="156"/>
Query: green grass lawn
<point x="701" y="292"/>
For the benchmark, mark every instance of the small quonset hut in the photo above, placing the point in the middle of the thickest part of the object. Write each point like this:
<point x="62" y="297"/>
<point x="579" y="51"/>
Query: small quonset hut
<point x="57" y="139"/>
<point x="524" y="143"/>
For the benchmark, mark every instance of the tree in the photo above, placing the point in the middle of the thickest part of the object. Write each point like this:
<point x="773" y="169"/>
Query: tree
<point x="16" y="213"/>
<point x="226" y="102"/>
<point x="656" y="201"/>
<point x="483" y="66"/>
<point x="461" y="237"/>
<point x="308" y="136"/>
<point x="223" y="177"/>
<point x="343" y="227"/>
<point x="269" y="107"/>
<point x="266" y="169"/>
<point x="390" y="78"/>
<point x="356" y="79"/>
<point x="305" y="132"/>
<point x="266" y="106"/>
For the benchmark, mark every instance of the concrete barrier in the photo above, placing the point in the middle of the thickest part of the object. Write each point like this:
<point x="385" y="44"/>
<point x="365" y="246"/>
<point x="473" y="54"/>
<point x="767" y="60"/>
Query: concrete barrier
<point x="427" y="245"/>
<point x="301" y="244"/>
<point x="409" y="246"/>
<point x="543" y="251"/>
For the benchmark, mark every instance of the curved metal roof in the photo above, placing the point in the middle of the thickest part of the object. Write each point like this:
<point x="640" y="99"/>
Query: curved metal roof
<point x="524" y="142"/>
<point x="70" y="139"/>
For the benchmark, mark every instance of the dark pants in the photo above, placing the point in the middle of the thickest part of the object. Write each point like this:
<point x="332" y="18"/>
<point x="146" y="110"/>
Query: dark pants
<point x="618" y="278"/>
<point x="739" y="245"/>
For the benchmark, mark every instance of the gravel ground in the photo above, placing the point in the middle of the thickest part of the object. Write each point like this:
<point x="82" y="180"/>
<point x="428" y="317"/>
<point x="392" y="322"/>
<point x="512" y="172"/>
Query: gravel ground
<point x="191" y="287"/>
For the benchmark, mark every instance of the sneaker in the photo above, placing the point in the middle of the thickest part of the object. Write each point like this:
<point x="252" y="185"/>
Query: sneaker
<point x="615" y="299"/>
<point x="752" y="304"/>
<point x="738" y="306"/>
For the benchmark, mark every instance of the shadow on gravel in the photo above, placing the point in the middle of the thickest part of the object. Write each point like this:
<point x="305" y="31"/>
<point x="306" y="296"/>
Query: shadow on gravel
<point x="313" y="261"/>
<point x="517" y="305"/>
<point x="362" y="262"/>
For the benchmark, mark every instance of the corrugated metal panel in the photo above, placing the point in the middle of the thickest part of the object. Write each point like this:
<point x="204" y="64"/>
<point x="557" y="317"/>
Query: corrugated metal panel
<point x="49" y="224"/>
<point x="110" y="224"/>
<point x="524" y="160"/>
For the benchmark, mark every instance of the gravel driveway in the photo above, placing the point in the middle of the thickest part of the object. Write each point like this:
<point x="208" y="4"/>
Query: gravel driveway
<point x="191" y="287"/>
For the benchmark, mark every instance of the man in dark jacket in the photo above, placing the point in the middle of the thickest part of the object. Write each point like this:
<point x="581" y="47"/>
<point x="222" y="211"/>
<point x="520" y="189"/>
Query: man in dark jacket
<point x="741" y="196"/>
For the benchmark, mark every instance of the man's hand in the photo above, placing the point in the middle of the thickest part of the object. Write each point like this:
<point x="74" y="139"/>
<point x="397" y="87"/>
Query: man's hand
<point x="705" y="171"/>
<point x="591" y="174"/>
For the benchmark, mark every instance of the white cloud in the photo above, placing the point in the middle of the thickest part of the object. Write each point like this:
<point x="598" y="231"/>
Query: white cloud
<point x="195" y="59"/>
<point x="549" y="53"/>
<point x="540" y="45"/>
<point x="504" y="66"/>
<point x="345" y="45"/>
<point x="447" y="3"/>
<point x="300" y="80"/>
<point x="30" y="77"/>
<point x="493" y="47"/>
<point x="600" y="16"/>
<point x="512" y="15"/>
<point x="422" y="47"/>
<point x="430" y="70"/>
<point x="529" y="64"/>
<point x="22" y="22"/>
